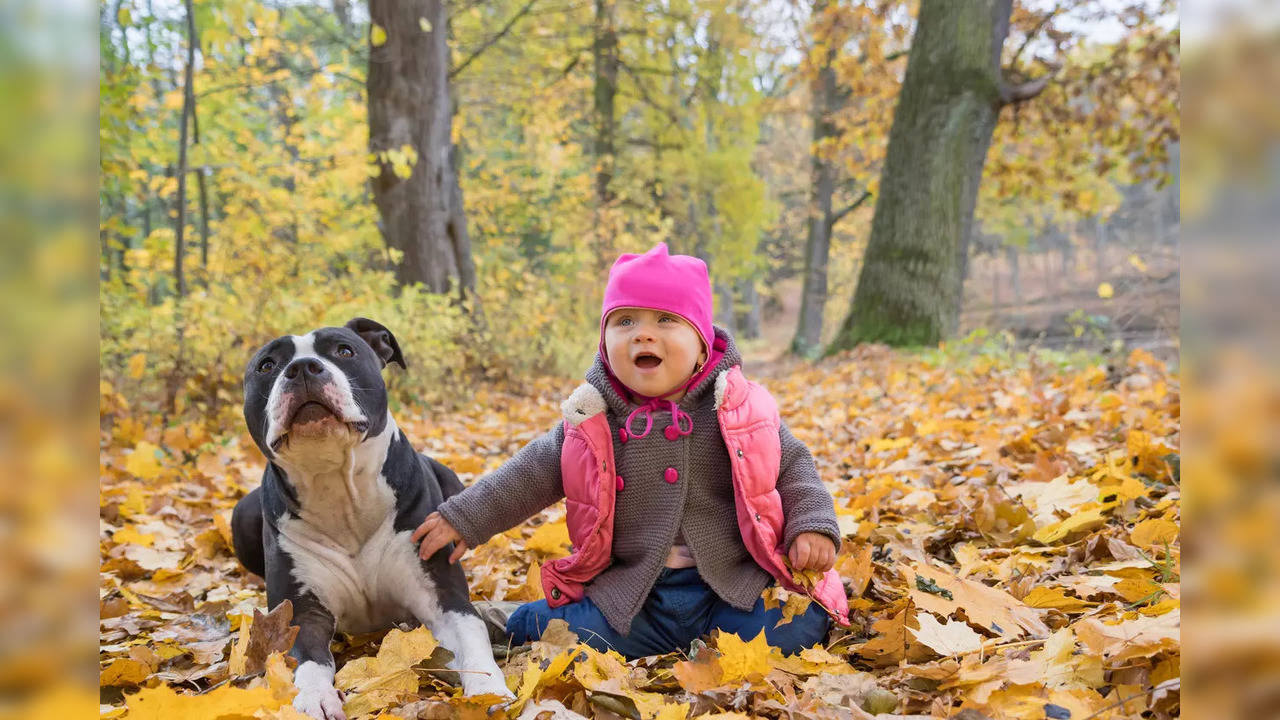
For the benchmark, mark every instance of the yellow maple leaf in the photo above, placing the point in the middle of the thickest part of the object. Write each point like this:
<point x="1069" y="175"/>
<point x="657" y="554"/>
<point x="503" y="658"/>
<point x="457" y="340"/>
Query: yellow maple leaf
<point x="124" y="672"/>
<point x="142" y="462"/>
<point x="1105" y="291"/>
<point x="743" y="661"/>
<point x="1153" y="532"/>
<point x="374" y="683"/>
<point x="549" y="539"/>
<point x="225" y="703"/>
<point x="1080" y="522"/>
<point x="130" y="534"/>
<point x="377" y="35"/>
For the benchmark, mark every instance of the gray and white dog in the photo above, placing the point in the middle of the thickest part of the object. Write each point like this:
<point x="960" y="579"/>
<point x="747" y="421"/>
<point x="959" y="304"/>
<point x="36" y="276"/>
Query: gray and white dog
<point x="342" y="492"/>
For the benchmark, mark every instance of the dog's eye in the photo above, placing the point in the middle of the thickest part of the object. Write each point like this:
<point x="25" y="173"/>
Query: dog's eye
<point x="345" y="351"/>
<point x="266" y="365"/>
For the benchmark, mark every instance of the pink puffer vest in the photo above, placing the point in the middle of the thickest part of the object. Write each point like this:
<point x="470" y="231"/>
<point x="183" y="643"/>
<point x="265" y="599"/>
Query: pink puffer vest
<point x="749" y="423"/>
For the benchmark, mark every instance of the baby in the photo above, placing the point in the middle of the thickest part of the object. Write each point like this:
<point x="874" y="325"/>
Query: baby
<point x="686" y="495"/>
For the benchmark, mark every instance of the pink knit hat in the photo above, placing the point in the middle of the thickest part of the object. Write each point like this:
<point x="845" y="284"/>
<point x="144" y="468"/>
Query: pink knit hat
<point x="657" y="280"/>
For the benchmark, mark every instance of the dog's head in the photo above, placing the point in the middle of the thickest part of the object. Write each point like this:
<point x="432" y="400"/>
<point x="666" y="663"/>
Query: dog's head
<point x="319" y="390"/>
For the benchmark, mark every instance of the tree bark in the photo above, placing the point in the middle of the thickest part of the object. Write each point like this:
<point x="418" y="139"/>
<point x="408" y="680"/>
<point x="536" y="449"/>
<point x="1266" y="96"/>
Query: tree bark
<point x="751" y="320"/>
<point x="909" y="289"/>
<point x="188" y="107"/>
<point x="1015" y="275"/>
<point x="605" y="55"/>
<point x="826" y="100"/>
<point x="410" y="105"/>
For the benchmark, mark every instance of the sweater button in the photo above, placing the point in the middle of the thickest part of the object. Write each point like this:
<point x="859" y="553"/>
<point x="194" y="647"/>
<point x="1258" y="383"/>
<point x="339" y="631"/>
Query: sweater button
<point x="555" y="593"/>
<point x="622" y="435"/>
<point x="671" y="475"/>
<point x="671" y="432"/>
<point x="619" y="483"/>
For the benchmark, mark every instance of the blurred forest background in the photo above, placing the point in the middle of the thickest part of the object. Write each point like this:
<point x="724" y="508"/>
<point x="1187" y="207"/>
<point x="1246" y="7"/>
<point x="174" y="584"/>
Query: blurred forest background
<point x="466" y="172"/>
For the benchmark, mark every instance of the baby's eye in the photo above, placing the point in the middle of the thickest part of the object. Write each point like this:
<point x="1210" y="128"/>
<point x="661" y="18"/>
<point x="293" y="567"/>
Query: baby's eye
<point x="665" y="318"/>
<point x="624" y="321"/>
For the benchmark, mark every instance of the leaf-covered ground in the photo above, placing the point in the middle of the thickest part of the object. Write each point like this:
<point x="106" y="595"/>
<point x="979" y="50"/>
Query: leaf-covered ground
<point x="1011" y="551"/>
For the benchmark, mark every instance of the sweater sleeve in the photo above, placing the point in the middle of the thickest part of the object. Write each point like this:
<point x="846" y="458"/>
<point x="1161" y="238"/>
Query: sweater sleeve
<point x="525" y="484"/>
<point x="806" y="503"/>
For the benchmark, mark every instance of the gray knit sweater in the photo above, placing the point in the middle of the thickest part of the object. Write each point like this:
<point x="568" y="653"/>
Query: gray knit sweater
<point x="650" y="512"/>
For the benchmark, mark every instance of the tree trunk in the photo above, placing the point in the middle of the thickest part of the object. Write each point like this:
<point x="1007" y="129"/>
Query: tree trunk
<point x="188" y="106"/>
<point x="825" y="100"/>
<point x="910" y="286"/>
<point x="605" y="55"/>
<point x="409" y="105"/>
<point x="1015" y="271"/>
<point x="751" y="321"/>
<point x="726" y="317"/>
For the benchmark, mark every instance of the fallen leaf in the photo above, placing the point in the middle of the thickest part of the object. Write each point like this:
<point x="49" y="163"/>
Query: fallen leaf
<point x="953" y="637"/>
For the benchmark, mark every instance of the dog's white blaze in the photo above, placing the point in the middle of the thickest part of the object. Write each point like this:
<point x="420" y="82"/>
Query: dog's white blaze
<point x="316" y="694"/>
<point x="341" y="397"/>
<point x="338" y="392"/>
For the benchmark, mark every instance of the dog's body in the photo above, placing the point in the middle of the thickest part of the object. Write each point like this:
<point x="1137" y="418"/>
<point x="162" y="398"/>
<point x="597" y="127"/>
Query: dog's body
<point x="342" y="492"/>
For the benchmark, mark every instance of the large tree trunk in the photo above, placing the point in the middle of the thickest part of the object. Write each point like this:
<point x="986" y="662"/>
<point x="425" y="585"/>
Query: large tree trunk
<point x="409" y="104"/>
<point x="909" y="289"/>
<point x="825" y="101"/>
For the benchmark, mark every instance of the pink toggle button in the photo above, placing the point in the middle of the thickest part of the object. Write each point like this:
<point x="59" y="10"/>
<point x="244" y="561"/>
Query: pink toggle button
<point x="671" y="432"/>
<point x="671" y="475"/>
<point x="619" y="482"/>
<point x="622" y="434"/>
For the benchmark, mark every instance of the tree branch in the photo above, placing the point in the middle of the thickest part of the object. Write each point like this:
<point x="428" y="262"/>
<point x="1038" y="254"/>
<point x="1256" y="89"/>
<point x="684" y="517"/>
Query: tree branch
<point x="1022" y="92"/>
<point x="1013" y="61"/>
<point x="837" y="217"/>
<point x="493" y="39"/>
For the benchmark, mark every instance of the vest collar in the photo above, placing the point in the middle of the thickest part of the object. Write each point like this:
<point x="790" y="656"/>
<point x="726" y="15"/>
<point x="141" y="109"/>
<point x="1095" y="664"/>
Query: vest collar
<point x="585" y="402"/>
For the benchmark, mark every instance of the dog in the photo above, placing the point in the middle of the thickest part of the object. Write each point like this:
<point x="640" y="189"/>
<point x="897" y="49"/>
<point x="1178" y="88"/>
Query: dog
<point x="343" y="489"/>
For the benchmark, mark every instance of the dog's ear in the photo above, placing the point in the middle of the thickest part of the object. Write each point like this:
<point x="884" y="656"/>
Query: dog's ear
<point x="379" y="338"/>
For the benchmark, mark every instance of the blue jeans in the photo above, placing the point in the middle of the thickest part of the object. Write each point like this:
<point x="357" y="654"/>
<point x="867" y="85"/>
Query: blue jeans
<point x="680" y="608"/>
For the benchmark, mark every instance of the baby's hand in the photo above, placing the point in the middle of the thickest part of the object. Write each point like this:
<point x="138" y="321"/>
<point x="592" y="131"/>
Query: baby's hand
<point x="812" y="551"/>
<point x="436" y="532"/>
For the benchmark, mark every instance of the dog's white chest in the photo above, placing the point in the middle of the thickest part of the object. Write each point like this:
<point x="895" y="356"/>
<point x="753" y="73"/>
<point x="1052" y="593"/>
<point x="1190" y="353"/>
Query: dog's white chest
<point x="363" y="589"/>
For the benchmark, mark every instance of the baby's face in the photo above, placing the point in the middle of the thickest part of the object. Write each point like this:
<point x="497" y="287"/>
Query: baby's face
<point x="651" y="351"/>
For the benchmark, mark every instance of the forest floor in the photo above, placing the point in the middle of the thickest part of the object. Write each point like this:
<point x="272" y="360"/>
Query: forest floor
<point x="1010" y="549"/>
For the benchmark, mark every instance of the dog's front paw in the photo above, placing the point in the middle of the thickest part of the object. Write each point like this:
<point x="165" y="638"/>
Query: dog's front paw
<point x="489" y="683"/>
<point x="317" y="696"/>
<point x="320" y="703"/>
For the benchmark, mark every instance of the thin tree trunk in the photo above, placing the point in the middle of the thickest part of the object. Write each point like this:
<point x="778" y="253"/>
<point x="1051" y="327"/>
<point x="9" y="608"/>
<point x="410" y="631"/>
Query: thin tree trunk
<point x="825" y="101"/>
<point x="605" y="69"/>
<point x="751" y="321"/>
<point x="727" y="319"/>
<point x="409" y="105"/>
<point x="1015" y="274"/>
<point x="201" y="190"/>
<point x="188" y="107"/>
<point x="909" y="289"/>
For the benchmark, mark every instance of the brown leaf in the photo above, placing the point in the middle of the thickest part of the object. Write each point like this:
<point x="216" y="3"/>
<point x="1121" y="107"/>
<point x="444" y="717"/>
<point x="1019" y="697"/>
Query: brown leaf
<point x="267" y="634"/>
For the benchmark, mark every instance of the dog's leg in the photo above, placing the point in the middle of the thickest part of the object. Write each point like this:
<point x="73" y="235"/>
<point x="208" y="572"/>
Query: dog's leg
<point x="246" y="532"/>
<point x="448" y="614"/>
<point x="316" y="696"/>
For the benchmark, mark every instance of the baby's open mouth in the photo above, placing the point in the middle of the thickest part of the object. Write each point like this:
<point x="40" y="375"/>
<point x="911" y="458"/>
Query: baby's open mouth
<point x="647" y="361"/>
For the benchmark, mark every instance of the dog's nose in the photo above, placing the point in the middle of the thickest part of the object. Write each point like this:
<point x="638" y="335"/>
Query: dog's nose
<point x="311" y="366"/>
